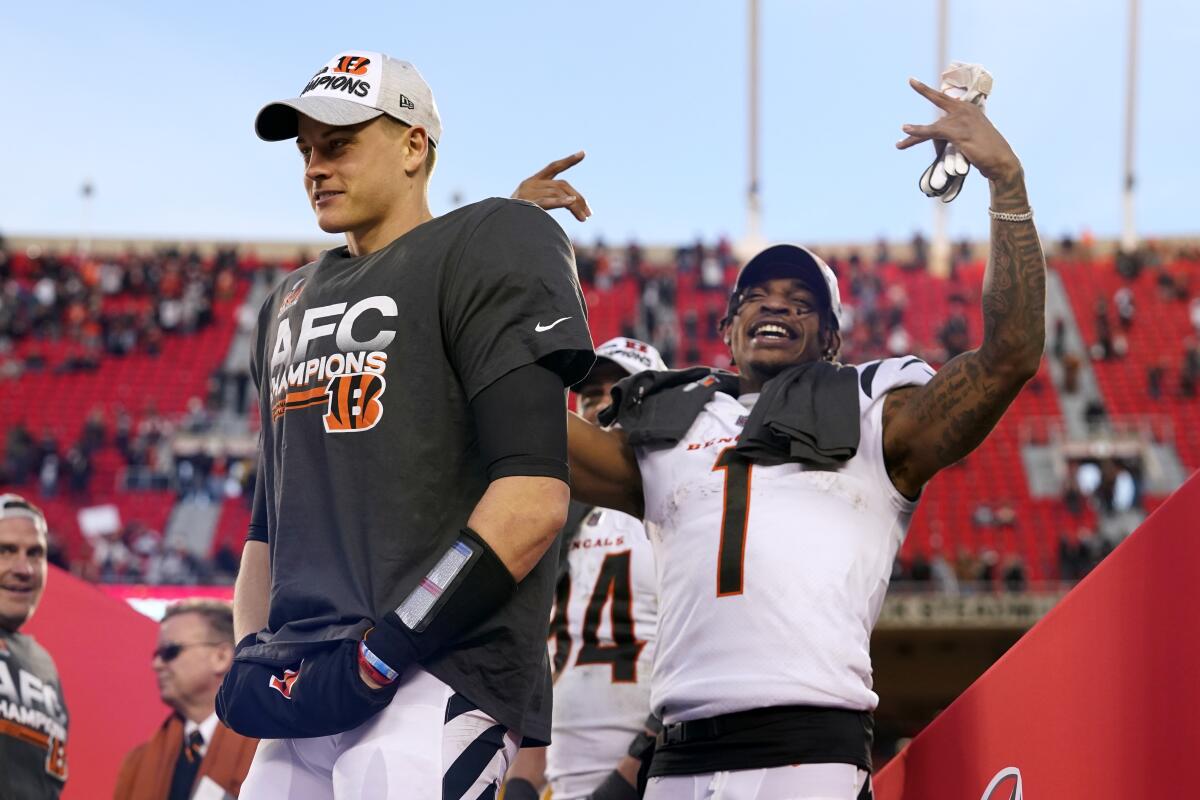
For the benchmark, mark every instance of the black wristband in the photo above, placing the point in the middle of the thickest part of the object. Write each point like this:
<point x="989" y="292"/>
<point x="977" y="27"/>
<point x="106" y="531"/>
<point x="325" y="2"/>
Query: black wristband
<point x="473" y="583"/>
<point x="520" y="789"/>
<point x="614" y="787"/>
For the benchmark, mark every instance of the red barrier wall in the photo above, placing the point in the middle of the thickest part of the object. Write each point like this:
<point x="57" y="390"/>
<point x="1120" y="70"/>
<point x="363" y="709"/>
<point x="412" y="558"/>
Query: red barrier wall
<point x="1101" y="699"/>
<point x="102" y="648"/>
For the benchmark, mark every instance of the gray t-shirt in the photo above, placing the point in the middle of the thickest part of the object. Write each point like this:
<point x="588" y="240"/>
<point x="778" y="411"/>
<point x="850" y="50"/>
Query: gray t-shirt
<point x="371" y="466"/>
<point x="33" y="720"/>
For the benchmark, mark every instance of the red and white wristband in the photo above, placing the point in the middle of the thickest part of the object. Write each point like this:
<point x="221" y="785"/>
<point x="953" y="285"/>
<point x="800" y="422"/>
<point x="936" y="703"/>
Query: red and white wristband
<point x="374" y="667"/>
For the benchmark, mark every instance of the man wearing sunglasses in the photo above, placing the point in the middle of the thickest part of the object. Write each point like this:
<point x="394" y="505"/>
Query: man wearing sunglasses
<point x="33" y="715"/>
<point x="189" y="750"/>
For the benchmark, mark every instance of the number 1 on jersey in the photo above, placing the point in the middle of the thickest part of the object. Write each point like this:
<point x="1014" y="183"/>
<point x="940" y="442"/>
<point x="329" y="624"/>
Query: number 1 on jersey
<point x="731" y="555"/>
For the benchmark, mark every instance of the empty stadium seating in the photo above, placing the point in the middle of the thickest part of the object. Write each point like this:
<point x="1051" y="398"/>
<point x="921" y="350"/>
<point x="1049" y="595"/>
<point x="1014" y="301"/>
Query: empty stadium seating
<point x="1156" y="336"/>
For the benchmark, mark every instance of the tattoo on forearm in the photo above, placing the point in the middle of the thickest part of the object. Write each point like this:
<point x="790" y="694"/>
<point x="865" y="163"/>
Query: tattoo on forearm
<point x="949" y="417"/>
<point x="1014" y="291"/>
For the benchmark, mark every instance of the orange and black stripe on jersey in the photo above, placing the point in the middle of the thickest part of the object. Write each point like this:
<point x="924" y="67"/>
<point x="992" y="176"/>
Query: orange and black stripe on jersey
<point x="299" y="399"/>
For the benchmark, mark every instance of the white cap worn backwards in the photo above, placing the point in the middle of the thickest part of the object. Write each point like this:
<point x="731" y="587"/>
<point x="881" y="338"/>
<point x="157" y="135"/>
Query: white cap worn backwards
<point x="354" y="87"/>
<point x="631" y="355"/>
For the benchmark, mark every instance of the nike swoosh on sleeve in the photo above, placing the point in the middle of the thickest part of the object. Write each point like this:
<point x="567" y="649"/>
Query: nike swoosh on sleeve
<point x="540" y="328"/>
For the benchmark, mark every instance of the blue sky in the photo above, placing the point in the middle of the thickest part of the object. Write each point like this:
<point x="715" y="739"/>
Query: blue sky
<point x="154" y="101"/>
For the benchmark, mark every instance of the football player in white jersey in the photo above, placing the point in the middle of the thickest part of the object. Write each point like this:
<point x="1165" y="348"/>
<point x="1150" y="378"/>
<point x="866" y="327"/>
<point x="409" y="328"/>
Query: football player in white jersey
<point x="602" y="632"/>
<point x="777" y="499"/>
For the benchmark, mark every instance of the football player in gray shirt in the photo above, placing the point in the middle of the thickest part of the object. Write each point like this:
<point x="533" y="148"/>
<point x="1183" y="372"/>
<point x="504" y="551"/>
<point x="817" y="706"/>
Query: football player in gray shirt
<point x="33" y="714"/>
<point x="399" y="568"/>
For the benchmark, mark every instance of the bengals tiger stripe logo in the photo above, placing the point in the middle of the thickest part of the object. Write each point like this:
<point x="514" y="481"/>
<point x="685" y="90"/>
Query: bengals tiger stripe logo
<point x="354" y="402"/>
<point x="284" y="685"/>
<point x="355" y="65"/>
<point x="56" y="758"/>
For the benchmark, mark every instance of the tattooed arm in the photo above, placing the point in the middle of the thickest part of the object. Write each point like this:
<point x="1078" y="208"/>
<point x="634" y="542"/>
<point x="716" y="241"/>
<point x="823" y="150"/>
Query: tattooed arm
<point x="929" y="427"/>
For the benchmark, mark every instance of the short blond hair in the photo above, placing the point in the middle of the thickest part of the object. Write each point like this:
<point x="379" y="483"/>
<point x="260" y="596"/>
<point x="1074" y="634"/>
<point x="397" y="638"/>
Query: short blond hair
<point x="217" y="613"/>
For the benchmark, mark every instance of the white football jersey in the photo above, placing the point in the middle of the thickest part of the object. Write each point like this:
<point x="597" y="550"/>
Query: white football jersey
<point x="602" y="644"/>
<point x="771" y="578"/>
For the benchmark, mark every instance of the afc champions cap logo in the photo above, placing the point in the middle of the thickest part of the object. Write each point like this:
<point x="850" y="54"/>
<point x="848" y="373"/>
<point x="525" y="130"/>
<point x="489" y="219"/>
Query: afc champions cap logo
<point x="354" y="76"/>
<point x="1006" y="785"/>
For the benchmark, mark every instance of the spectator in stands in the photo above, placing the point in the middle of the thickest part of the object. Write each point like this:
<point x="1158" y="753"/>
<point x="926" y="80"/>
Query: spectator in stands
<point x="146" y="546"/>
<point x="1189" y="373"/>
<point x="1194" y="314"/>
<point x="986" y="574"/>
<point x="940" y="570"/>
<point x="190" y="753"/>
<point x="953" y="334"/>
<point x="1014" y="576"/>
<point x="1072" y="364"/>
<point x="1072" y="497"/>
<point x="966" y="567"/>
<point x="1095" y="414"/>
<point x="920" y="571"/>
<point x="920" y="253"/>
<point x="123" y="433"/>
<point x="198" y="419"/>
<point x="225" y="564"/>
<point x="899" y="342"/>
<point x="1168" y="288"/>
<point x="93" y="435"/>
<point x="1104" y="349"/>
<point x="1071" y="559"/>
<point x="1123" y="302"/>
<point x="48" y="475"/>
<point x="1155" y="373"/>
<point x="112" y="561"/>
<point x="79" y="470"/>
<point x="1058" y="346"/>
<point x="176" y="566"/>
<point x="18" y="454"/>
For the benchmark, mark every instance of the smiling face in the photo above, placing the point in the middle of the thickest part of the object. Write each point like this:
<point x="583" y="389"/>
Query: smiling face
<point x="777" y="325"/>
<point x="359" y="177"/>
<point x="193" y="674"/>
<point x="22" y="570"/>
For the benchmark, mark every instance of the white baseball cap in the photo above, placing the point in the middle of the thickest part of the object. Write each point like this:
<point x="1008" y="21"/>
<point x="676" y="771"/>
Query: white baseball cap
<point x="13" y="506"/>
<point x="353" y="87"/>
<point x="631" y="355"/>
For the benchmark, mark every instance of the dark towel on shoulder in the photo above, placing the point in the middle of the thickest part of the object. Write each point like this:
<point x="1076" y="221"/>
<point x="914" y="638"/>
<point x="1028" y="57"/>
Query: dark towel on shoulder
<point x="807" y="413"/>
<point x="656" y="408"/>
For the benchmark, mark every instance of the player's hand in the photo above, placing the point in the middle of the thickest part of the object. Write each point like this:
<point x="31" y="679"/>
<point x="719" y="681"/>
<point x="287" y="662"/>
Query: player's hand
<point x="969" y="129"/>
<point x="546" y="190"/>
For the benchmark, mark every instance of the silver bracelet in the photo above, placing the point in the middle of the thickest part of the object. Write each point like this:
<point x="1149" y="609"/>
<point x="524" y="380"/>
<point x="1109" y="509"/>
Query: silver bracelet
<point x="1006" y="216"/>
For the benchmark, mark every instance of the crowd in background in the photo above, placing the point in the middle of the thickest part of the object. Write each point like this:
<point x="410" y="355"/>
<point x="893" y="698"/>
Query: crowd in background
<point x="87" y="310"/>
<point x="104" y="307"/>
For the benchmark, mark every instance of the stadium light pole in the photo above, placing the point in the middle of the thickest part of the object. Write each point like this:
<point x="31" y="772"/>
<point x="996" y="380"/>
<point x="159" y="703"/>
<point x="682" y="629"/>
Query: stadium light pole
<point x="752" y="240"/>
<point x="87" y="191"/>
<point x="939" y="248"/>
<point x="1129" y="237"/>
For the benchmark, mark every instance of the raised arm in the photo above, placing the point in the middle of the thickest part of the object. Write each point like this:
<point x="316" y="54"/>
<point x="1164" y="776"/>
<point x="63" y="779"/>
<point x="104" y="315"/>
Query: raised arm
<point x="604" y="469"/>
<point x="932" y="426"/>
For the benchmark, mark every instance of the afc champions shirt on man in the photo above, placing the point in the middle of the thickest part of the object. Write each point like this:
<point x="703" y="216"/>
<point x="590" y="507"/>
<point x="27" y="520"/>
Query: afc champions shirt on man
<point x="366" y="367"/>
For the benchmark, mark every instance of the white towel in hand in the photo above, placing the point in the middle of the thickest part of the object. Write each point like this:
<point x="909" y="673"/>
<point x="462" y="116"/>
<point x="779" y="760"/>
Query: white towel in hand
<point x="945" y="176"/>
